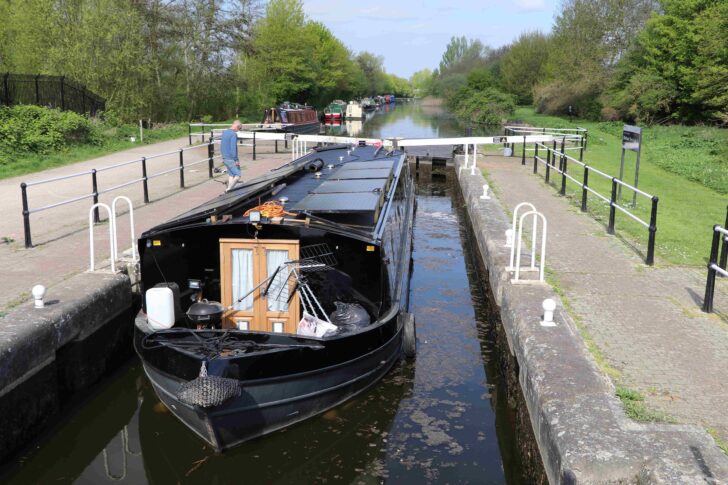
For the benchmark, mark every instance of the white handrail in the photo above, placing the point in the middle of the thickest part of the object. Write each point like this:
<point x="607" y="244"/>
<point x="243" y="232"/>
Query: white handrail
<point x="536" y="215"/>
<point x="131" y="223"/>
<point x="513" y="229"/>
<point x="112" y="235"/>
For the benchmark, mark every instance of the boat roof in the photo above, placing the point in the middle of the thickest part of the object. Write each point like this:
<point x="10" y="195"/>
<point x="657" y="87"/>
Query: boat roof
<point x="351" y="189"/>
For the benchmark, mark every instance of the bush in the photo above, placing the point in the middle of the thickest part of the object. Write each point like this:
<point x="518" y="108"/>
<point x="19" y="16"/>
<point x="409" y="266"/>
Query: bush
<point x="555" y="98"/>
<point x="488" y="106"/>
<point x="36" y="129"/>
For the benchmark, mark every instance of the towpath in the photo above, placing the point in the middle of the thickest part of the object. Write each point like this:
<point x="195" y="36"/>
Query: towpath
<point x="646" y="321"/>
<point x="60" y="235"/>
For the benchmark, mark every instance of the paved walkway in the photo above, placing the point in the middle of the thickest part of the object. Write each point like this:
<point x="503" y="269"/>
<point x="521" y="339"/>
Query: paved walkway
<point x="60" y="235"/>
<point x="646" y="321"/>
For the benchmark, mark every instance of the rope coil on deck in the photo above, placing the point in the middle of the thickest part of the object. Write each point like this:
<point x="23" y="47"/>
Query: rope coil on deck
<point x="269" y="209"/>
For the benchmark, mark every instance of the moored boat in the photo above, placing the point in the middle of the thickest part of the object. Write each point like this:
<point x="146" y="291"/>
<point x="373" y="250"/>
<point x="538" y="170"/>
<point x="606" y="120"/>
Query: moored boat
<point x="282" y="298"/>
<point x="335" y="110"/>
<point x="354" y="111"/>
<point x="291" y="118"/>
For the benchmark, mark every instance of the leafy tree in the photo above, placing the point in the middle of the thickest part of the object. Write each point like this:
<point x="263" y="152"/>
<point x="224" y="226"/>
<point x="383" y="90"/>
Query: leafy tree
<point x="421" y="82"/>
<point x="523" y="65"/>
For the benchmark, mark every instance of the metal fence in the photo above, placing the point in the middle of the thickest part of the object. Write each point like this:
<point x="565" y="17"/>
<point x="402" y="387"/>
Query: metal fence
<point x="717" y="262"/>
<point x="562" y="169"/>
<point x="96" y="191"/>
<point x="49" y="91"/>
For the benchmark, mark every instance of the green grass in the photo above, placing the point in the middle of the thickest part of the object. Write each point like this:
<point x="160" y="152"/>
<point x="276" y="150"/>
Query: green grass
<point x="722" y="444"/>
<point x="686" y="167"/>
<point x="113" y="140"/>
<point x="634" y="406"/>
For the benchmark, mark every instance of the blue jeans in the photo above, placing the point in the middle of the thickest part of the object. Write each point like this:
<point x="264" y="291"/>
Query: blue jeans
<point x="232" y="167"/>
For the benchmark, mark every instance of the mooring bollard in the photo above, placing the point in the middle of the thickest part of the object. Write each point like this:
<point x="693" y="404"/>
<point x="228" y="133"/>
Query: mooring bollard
<point x="548" y="306"/>
<point x="485" y="195"/>
<point x="38" y="292"/>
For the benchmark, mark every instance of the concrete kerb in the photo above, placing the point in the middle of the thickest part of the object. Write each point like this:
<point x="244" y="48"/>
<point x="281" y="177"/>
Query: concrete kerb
<point x="49" y="353"/>
<point x="580" y="426"/>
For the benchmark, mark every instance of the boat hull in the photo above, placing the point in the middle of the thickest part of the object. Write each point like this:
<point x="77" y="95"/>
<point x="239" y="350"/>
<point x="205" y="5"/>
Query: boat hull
<point x="268" y="405"/>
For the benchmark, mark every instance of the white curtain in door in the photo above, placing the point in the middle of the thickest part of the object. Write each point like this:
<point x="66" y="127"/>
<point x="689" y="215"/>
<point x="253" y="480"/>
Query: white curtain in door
<point x="242" y="278"/>
<point x="278" y="293"/>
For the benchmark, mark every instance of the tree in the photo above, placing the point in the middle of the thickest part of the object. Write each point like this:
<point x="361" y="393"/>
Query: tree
<point x="523" y="64"/>
<point x="421" y="82"/>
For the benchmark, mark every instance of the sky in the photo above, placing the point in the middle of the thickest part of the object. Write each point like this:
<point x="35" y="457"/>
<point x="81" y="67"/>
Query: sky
<point x="412" y="34"/>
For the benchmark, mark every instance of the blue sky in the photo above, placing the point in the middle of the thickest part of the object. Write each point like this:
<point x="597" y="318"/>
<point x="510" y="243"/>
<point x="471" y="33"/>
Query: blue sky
<point x="412" y="34"/>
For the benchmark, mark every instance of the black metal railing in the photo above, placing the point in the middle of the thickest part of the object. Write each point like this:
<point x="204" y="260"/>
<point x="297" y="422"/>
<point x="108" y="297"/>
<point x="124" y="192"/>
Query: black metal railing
<point x="716" y="262"/>
<point x="572" y="138"/>
<point x="564" y="160"/>
<point x="49" y="91"/>
<point x="95" y="191"/>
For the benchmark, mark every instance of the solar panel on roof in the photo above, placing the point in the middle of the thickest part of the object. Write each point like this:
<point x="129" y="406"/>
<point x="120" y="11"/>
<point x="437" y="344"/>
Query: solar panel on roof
<point x="377" y="173"/>
<point x="369" y="165"/>
<point x="354" y="202"/>
<point x="350" y="186"/>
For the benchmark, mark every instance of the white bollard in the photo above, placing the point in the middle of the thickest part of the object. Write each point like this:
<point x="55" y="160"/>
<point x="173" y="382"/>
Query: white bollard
<point x="38" y="293"/>
<point x="475" y="159"/>
<point x="485" y="195"/>
<point x="509" y="238"/>
<point x="549" y="306"/>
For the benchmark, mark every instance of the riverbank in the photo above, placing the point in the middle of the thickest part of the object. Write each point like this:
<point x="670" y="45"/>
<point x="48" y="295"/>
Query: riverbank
<point x="684" y="166"/>
<point x="614" y="314"/>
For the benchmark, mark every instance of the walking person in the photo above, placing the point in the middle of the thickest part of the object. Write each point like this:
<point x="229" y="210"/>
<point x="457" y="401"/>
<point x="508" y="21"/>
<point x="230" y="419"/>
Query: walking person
<point x="229" y="152"/>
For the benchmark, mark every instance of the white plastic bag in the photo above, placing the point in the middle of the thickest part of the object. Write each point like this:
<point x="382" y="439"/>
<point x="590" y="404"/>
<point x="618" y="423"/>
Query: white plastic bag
<point x="310" y="326"/>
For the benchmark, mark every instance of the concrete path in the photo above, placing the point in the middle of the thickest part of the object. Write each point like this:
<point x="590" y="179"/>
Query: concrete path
<point x="646" y="321"/>
<point x="60" y="235"/>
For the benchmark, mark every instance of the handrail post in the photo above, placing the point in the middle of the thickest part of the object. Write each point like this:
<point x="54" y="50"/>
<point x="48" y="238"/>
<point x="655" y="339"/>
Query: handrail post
<point x="553" y="158"/>
<point x="523" y="157"/>
<point x="189" y="133"/>
<point x="584" y="186"/>
<point x="144" y="180"/>
<point x="26" y="215"/>
<point x="253" y="146"/>
<point x="710" y="283"/>
<point x="549" y="153"/>
<point x="581" y="150"/>
<point x="210" y="157"/>
<point x="535" y="158"/>
<point x="653" y="229"/>
<point x="181" y="169"/>
<point x="95" y="191"/>
<point x="563" y="173"/>
<point x="724" y="252"/>
<point x="612" y="206"/>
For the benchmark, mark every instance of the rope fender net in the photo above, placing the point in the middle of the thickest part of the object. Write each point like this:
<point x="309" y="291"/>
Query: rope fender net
<point x="208" y="391"/>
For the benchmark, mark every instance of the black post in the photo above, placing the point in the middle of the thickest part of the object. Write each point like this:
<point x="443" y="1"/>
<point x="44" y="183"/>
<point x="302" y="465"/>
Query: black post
<point x="653" y="229"/>
<point x="37" y="90"/>
<point x="95" y="192"/>
<point x="210" y="156"/>
<point x="63" y="93"/>
<point x="724" y="251"/>
<point x="276" y="142"/>
<point x="535" y="158"/>
<point x="181" y="169"/>
<point x="26" y="215"/>
<point x="523" y="157"/>
<point x="253" y="145"/>
<point x="548" y="164"/>
<point x="563" y="174"/>
<point x="553" y="157"/>
<point x="710" y="284"/>
<point x="584" y="186"/>
<point x="144" y="180"/>
<point x="612" y="206"/>
<point x="189" y="133"/>
<point x="285" y="142"/>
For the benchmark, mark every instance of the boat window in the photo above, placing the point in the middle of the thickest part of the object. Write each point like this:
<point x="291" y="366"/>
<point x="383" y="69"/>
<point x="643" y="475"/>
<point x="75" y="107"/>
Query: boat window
<point x="242" y="276"/>
<point x="278" y="292"/>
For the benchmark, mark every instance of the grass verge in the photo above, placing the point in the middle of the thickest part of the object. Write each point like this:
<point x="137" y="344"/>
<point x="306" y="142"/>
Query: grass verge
<point x="686" y="167"/>
<point x="722" y="444"/>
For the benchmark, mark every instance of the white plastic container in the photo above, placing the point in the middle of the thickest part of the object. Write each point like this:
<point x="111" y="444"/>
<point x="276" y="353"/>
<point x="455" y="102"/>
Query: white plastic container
<point x="160" y="308"/>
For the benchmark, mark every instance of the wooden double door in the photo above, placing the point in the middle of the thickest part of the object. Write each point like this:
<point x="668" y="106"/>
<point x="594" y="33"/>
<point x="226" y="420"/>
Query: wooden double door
<point x="249" y="267"/>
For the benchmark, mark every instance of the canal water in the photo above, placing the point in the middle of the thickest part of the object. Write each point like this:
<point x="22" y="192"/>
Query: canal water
<point x="443" y="418"/>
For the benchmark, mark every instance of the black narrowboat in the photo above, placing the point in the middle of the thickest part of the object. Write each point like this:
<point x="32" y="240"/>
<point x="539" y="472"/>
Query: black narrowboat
<point x="282" y="298"/>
